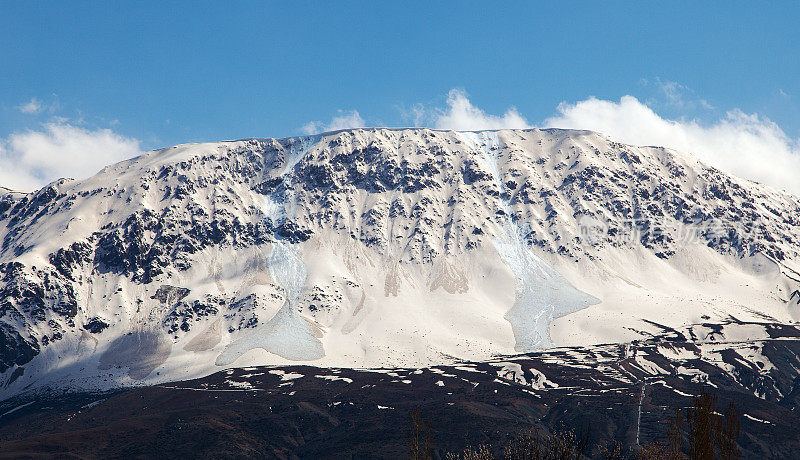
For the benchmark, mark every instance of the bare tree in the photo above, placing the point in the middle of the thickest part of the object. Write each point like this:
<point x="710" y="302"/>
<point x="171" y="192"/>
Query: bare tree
<point x="675" y="436"/>
<point x="421" y="437"/>
<point x="479" y="453"/>
<point x="727" y="434"/>
<point x="562" y="445"/>
<point x="710" y="434"/>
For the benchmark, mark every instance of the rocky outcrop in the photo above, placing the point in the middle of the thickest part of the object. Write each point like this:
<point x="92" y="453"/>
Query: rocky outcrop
<point x="14" y="349"/>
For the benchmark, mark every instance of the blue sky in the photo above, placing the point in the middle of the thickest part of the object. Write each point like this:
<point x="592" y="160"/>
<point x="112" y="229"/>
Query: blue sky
<point x="162" y="73"/>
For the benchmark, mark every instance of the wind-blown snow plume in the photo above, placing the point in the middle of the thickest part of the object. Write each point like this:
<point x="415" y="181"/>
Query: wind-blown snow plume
<point x="345" y="120"/>
<point x="461" y="115"/>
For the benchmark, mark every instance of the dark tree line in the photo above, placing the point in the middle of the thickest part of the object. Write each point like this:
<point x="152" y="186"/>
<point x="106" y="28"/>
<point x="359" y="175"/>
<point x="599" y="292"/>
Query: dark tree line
<point x="698" y="432"/>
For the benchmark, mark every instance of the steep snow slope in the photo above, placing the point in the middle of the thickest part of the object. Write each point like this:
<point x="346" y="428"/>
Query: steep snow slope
<point x="378" y="247"/>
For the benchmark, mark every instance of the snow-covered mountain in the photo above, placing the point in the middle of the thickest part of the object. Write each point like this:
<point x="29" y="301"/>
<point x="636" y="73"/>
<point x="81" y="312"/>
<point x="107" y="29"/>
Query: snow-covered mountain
<point x="379" y="248"/>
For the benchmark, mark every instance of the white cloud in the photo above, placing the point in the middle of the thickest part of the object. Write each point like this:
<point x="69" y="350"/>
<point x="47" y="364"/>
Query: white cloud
<point x="672" y="90"/>
<point x="746" y="145"/>
<point x="743" y="144"/>
<point x="31" y="159"/>
<point x="461" y="115"/>
<point x="345" y="120"/>
<point x="416" y="114"/>
<point x="31" y="107"/>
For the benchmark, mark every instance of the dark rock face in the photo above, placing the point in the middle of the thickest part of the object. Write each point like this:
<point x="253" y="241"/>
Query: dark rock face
<point x="32" y="296"/>
<point x="66" y="260"/>
<point x="127" y="251"/>
<point x="290" y="231"/>
<point x="27" y="210"/>
<point x="34" y="293"/>
<point x="145" y="245"/>
<point x="14" y="349"/>
<point x="168" y="295"/>
<point x="242" y="313"/>
<point x="18" y="295"/>
<point x="95" y="325"/>
<point x="184" y="314"/>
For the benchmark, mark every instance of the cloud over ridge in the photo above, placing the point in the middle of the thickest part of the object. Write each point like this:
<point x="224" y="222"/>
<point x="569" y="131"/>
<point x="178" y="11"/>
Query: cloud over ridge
<point x="745" y="145"/>
<point x="33" y="158"/>
<point x="461" y="115"/>
<point x="345" y="120"/>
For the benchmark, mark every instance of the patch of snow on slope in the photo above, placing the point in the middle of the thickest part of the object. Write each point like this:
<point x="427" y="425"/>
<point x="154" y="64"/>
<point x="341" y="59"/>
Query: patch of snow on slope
<point x="334" y="378"/>
<point x="542" y="293"/>
<point x="17" y="408"/>
<point x="285" y="375"/>
<point x="286" y="334"/>
<point x="511" y="371"/>
<point x="240" y="385"/>
<point x="756" y="419"/>
<point x="297" y="150"/>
